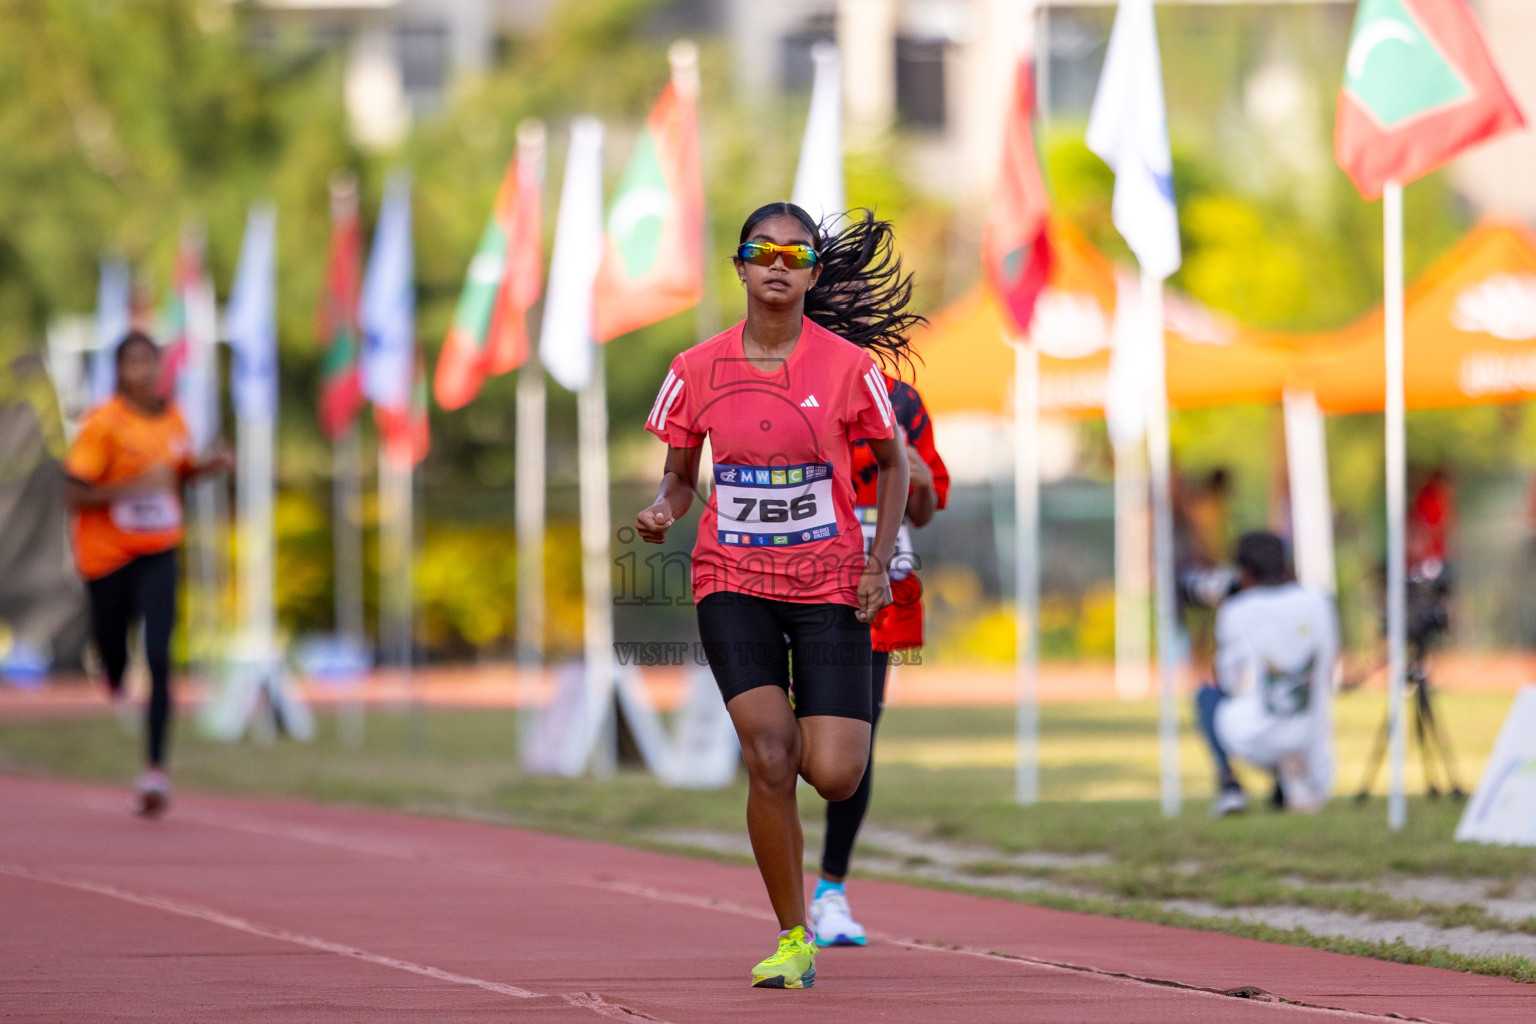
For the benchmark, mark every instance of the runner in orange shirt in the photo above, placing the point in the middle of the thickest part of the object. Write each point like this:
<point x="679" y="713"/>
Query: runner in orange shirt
<point x="124" y="475"/>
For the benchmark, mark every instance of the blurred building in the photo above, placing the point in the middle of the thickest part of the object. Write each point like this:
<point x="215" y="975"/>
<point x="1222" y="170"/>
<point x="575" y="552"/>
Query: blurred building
<point x="936" y="69"/>
<point x="402" y="56"/>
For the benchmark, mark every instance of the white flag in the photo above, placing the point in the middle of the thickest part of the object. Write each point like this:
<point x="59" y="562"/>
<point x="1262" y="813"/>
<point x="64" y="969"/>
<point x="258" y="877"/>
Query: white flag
<point x="197" y="386"/>
<point x="819" y="176"/>
<point x="114" y="302"/>
<point x="565" y="343"/>
<point x="250" y="320"/>
<point x="386" y="309"/>
<point x="1128" y="129"/>
<point x="1125" y="401"/>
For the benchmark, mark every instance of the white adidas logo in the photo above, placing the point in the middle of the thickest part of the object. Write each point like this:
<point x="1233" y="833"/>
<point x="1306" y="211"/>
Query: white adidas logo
<point x="810" y="403"/>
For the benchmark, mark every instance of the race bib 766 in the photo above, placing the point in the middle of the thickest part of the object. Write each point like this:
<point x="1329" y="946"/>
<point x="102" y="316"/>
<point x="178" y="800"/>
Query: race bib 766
<point x="774" y="506"/>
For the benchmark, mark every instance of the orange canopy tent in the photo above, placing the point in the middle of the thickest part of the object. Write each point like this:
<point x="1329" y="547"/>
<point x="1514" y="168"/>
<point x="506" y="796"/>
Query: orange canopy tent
<point x="1469" y="333"/>
<point x="1470" y="339"/>
<point x="967" y="366"/>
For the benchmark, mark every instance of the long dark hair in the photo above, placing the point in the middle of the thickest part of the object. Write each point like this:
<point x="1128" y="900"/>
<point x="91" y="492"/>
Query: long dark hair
<point x="862" y="294"/>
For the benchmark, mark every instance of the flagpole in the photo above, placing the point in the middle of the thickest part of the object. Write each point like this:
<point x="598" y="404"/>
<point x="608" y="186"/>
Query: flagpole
<point x="200" y="324"/>
<point x="257" y="661"/>
<point x="391" y="378"/>
<point x="1397" y="555"/>
<point x="529" y="501"/>
<point x="1306" y="453"/>
<point x="254" y="492"/>
<point x="596" y="569"/>
<point x="1133" y="639"/>
<point x="1026" y="557"/>
<point x="683" y="60"/>
<point x="347" y="544"/>
<point x="1162" y="543"/>
<point x="396" y="484"/>
<point x="251" y="325"/>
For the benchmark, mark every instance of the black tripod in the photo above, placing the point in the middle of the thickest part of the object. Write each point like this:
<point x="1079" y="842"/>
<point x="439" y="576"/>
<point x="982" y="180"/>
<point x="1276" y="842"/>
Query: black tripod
<point x="1426" y="730"/>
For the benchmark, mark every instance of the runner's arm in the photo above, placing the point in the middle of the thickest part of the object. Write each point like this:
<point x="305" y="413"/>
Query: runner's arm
<point x="80" y="494"/>
<point x="874" y="589"/>
<point x="220" y="460"/>
<point x="891" y="495"/>
<point x="674" y="497"/>
<point x="922" y="499"/>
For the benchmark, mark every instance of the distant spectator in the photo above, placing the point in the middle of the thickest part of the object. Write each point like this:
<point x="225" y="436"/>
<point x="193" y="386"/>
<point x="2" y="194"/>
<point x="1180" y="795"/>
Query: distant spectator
<point x="1272" y="702"/>
<point x="1207" y="507"/>
<point x="1200" y="541"/>
<point x="1431" y="518"/>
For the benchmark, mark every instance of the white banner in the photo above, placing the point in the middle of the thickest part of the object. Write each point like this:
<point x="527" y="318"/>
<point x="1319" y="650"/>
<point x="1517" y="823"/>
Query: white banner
<point x="1503" y="809"/>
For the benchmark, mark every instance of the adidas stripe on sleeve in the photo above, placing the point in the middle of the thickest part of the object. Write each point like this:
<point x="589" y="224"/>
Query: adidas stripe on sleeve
<point x="665" y="420"/>
<point x="871" y="414"/>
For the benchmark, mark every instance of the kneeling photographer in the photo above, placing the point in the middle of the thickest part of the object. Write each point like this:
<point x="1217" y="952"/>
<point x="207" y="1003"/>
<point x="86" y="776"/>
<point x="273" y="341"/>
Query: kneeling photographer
<point x="1272" y="702"/>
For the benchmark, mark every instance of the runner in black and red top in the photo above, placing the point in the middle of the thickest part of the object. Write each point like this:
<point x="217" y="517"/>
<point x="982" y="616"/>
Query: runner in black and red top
<point x="780" y="572"/>
<point x="898" y="628"/>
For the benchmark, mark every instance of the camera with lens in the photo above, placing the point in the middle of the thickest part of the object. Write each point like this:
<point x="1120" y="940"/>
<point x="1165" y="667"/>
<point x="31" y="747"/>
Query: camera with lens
<point x="1429" y="616"/>
<point x="1207" y="587"/>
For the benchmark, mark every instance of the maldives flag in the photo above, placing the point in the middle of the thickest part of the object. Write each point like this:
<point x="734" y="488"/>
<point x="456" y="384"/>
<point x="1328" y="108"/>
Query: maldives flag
<point x="489" y="334"/>
<point x="1419" y="87"/>
<point x="1015" y="247"/>
<point x="653" y="249"/>
<point x="341" y="394"/>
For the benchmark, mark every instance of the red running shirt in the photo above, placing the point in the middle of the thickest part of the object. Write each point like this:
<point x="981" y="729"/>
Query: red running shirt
<point x="899" y="626"/>
<point x="779" y="522"/>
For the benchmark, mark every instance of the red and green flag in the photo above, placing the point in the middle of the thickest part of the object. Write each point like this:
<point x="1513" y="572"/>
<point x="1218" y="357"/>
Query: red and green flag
<point x="1419" y="87"/>
<point x="405" y="433"/>
<point x="489" y="335"/>
<point x="1016" y="248"/>
<point x="172" y="324"/>
<point x="653" y="246"/>
<point x="341" y="394"/>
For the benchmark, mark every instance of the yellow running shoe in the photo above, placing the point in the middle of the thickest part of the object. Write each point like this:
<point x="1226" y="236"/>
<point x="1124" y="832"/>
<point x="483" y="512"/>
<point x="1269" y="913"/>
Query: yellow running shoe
<point x="793" y="966"/>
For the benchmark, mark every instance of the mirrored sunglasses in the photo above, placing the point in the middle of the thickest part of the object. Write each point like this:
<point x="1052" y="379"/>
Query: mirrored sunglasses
<point x="796" y="257"/>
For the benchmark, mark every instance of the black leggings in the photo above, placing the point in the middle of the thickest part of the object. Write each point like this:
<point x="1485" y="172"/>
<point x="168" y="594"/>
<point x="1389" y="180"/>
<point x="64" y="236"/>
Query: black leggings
<point x="145" y="587"/>
<point x="845" y="816"/>
<point x="750" y="641"/>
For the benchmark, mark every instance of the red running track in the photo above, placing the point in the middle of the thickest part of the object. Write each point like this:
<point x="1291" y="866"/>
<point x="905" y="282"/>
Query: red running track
<point x="234" y="911"/>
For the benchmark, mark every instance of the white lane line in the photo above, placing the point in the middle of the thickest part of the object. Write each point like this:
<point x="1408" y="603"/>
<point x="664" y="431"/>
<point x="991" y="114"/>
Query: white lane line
<point x="603" y="1008"/>
<point x="1255" y="996"/>
<point x="265" y="931"/>
<point x="328" y="838"/>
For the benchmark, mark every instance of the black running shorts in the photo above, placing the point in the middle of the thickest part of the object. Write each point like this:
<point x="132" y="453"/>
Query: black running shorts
<point x="753" y="641"/>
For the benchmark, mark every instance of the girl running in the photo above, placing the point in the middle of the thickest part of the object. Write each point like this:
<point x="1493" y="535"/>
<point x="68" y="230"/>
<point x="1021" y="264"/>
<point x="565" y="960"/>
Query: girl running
<point x="124" y="476"/>
<point x="780" y="573"/>
<point x="899" y="627"/>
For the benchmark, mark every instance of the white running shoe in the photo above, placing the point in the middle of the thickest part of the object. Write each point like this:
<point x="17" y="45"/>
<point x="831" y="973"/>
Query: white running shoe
<point x="154" y="793"/>
<point x="833" y="923"/>
<point x="1229" y="801"/>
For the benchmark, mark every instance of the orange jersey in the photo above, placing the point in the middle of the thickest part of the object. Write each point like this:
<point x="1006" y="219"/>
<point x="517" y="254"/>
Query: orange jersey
<point x="117" y="443"/>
